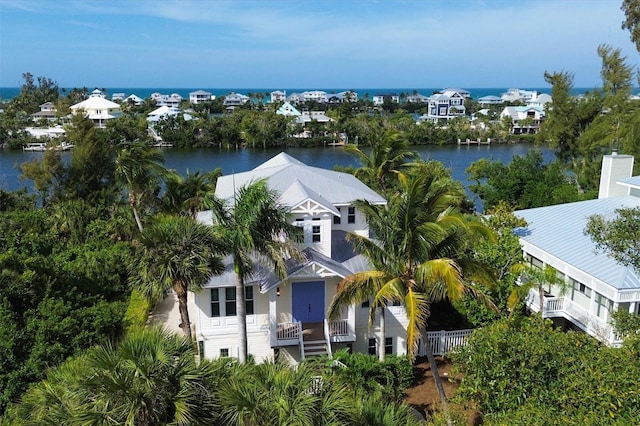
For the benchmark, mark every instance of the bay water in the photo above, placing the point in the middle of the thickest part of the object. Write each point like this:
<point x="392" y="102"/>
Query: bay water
<point x="457" y="158"/>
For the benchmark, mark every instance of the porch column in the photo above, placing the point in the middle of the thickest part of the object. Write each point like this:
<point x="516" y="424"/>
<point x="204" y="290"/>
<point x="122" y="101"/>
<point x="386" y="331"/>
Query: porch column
<point x="273" y="321"/>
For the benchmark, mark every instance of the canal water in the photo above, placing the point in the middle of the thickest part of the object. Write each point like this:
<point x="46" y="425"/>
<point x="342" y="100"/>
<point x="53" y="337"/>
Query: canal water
<point x="455" y="157"/>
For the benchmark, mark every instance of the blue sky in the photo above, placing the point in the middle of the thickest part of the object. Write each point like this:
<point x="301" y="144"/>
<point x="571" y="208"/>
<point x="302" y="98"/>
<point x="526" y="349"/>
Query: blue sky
<point x="307" y="44"/>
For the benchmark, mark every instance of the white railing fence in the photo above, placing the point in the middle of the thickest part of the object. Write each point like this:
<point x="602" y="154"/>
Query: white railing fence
<point x="339" y="328"/>
<point x="444" y="342"/>
<point x="288" y="330"/>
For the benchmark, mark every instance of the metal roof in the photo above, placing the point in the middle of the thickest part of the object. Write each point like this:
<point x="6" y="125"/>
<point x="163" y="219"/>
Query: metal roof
<point x="559" y="231"/>
<point x="283" y="171"/>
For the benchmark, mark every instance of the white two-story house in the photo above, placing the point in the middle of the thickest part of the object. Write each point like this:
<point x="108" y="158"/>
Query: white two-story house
<point x="524" y="119"/>
<point x="97" y="108"/>
<point x="287" y="318"/>
<point x="595" y="284"/>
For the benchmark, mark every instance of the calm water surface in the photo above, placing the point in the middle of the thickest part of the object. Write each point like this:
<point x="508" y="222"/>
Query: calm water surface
<point x="456" y="158"/>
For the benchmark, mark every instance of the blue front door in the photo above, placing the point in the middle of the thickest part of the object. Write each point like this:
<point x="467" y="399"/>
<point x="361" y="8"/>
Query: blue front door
<point x="308" y="301"/>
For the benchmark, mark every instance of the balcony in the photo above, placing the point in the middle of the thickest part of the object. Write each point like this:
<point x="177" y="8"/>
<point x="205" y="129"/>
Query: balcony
<point x="288" y="333"/>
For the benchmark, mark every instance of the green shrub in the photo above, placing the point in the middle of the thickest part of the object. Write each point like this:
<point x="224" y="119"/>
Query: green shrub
<point x="135" y="318"/>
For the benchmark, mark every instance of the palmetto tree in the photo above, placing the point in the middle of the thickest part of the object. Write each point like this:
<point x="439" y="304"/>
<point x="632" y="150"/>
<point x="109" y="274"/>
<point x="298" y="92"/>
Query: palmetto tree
<point x="139" y="168"/>
<point x="150" y="378"/>
<point x="255" y="228"/>
<point x="176" y="253"/>
<point x="420" y="254"/>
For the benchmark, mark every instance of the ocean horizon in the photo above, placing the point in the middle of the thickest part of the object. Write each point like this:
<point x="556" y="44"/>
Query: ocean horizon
<point x="7" y="93"/>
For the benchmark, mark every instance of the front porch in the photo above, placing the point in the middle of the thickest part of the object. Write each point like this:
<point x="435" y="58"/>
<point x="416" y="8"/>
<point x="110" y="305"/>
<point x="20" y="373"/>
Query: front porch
<point x="313" y="338"/>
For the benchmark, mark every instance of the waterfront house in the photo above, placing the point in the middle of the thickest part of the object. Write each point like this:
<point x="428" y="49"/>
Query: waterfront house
<point x="597" y="284"/>
<point x="288" y="110"/>
<point x="47" y="112"/>
<point x="314" y="95"/>
<point x="308" y="118"/>
<point x="118" y="97"/>
<point x="278" y="96"/>
<point x="517" y="95"/>
<point x="462" y="92"/>
<point x="417" y="99"/>
<point x="539" y="100"/>
<point x="524" y="119"/>
<point x="444" y="106"/>
<point x="200" y="96"/>
<point x="97" y="108"/>
<point x="490" y="100"/>
<point x="379" y="98"/>
<point x="134" y="99"/>
<point x="172" y="100"/>
<point x="234" y="99"/>
<point x="287" y="318"/>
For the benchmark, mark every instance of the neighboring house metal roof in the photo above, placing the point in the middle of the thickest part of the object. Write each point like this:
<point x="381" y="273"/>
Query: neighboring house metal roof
<point x="559" y="231"/>
<point x="282" y="171"/>
<point x="632" y="182"/>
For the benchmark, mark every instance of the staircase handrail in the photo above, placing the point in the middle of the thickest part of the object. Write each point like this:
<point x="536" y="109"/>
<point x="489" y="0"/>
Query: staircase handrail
<point x="327" y="338"/>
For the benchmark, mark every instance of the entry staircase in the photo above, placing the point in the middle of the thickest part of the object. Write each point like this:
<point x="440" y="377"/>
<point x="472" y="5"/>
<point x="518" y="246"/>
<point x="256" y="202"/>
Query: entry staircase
<point x="314" y="339"/>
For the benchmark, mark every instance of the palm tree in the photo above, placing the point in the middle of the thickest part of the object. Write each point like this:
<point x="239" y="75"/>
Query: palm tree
<point x="140" y="169"/>
<point x="420" y="254"/>
<point x="255" y="228"/>
<point x="532" y="277"/>
<point x="150" y="378"/>
<point x="389" y="154"/>
<point x="190" y="193"/>
<point x="176" y="253"/>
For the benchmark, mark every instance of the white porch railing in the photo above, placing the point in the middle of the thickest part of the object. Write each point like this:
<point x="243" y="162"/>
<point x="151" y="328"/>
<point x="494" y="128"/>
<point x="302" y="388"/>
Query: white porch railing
<point x="578" y="315"/>
<point x="288" y="331"/>
<point x="339" y="328"/>
<point x="444" y="342"/>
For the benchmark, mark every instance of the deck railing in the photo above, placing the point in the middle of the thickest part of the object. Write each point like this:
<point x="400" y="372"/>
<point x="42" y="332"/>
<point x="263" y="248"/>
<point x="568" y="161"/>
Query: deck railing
<point x="288" y="330"/>
<point x="339" y="328"/>
<point x="444" y="342"/>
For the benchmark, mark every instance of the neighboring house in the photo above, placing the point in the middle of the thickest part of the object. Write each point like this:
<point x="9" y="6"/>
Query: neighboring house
<point x="490" y="100"/>
<point x="235" y="99"/>
<point x="287" y="318"/>
<point x="524" y="119"/>
<point x="444" y="106"/>
<point x="517" y="95"/>
<point x="162" y="113"/>
<point x="47" y="132"/>
<point x="134" y="99"/>
<point x="278" y="96"/>
<point x="172" y="100"/>
<point x="307" y="117"/>
<point x="288" y="110"/>
<point x="462" y="92"/>
<point x="379" y="98"/>
<point x="200" y="96"/>
<point x="539" y="100"/>
<point x="417" y="99"/>
<point x="47" y="112"/>
<point x="118" y="97"/>
<point x="295" y="98"/>
<point x="98" y="109"/>
<point x="597" y="284"/>
<point x="315" y="95"/>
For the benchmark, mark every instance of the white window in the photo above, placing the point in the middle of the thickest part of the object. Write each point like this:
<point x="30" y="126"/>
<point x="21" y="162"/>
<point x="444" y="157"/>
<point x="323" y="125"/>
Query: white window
<point x="223" y="301"/>
<point x="316" y="231"/>
<point x="224" y="352"/>
<point x="603" y="305"/>
<point x="580" y="288"/>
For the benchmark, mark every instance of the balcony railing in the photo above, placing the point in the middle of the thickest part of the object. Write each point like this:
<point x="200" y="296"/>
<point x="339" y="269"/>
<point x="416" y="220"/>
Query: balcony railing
<point x="288" y="331"/>
<point x="339" y="328"/>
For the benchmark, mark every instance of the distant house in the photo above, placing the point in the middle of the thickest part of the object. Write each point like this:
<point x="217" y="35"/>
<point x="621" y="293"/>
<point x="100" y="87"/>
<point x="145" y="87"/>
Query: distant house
<point x="444" y="106"/>
<point x="117" y="97"/>
<point x="524" y="119"/>
<point x="288" y="110"/>
<point x="235" y="99"/>
<point x="379" y="98"/>
<point x="200" y="96"/>
<point x="490" y="100"/>
<point x="417" y="99"/>
<point x="295" y="98"/>
<point x="173" y="100"/>
<point x="278" y="96"/>
<point x="517" y="95"/>
<point x="46" y="132"/>
<point x="98" y="109"/>
<point x="597" y="284"/>
<point x="136" y="100"/>
<point x="539" y="100"/>
<point x="287" y="317"/>
<point x="307" y="117"/>
<point x="315" y="95"/>
<point x="47" y="112"/>
<point x="462" y="92"/>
